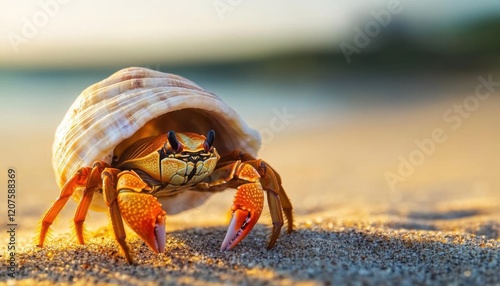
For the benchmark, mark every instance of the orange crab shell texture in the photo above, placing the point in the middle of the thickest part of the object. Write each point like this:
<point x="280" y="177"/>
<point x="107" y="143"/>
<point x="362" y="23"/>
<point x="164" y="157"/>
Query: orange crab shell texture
<point x="136" y="103"/>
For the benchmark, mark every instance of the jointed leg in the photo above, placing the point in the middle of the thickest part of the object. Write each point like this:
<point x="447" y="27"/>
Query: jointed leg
<point x="110" y="197"/>
<point x="271" y="184"/>
<point x="93" y="182"/>
<point x="79" y="179"/>
<point x="267" y="171"/>
<point x="125" y="194"/>
<point x="287" y="209"/>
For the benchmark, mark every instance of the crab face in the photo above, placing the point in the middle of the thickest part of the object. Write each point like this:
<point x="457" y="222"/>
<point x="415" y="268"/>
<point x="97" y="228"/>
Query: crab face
<point x="172" y="160"/>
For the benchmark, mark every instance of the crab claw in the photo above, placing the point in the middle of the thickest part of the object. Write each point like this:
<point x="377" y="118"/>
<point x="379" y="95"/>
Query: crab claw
<point x="144" y="215"/>
<point x="247" y="207"/>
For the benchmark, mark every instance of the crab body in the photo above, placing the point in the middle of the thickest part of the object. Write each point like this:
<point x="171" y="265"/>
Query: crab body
<point x="164" y="167"/>
<point x="117" y="150"/>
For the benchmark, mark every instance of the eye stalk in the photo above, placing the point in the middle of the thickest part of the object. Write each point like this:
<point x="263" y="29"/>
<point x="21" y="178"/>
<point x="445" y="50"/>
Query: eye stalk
<point x="209" y="142"/>
<point x="174" y="143"/>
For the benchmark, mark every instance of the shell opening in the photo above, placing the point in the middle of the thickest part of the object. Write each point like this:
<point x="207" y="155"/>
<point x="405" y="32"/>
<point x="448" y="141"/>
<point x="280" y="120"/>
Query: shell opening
<point x="185" y="120"/>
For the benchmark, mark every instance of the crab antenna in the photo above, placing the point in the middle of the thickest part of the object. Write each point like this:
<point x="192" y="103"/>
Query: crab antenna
<point x="172" y="139"/>
<point x="209" y="142"/>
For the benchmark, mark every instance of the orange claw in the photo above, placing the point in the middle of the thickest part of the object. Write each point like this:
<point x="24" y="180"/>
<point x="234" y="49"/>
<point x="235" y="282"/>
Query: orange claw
<point x="247" y="207"/>
<point x="141" y="211"/>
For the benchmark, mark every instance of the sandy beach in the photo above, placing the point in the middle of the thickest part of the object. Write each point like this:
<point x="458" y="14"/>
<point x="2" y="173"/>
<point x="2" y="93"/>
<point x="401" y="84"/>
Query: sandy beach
<point x="380" y="198"/>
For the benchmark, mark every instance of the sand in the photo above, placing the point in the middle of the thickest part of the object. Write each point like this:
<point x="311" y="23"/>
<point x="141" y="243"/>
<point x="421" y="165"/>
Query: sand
<point x="322" y="251"/>
<point x="440" y="224"/>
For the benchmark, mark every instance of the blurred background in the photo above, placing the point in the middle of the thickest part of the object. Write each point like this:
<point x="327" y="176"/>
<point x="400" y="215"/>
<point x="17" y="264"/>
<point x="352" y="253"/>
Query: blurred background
<point x="363" y="84"/>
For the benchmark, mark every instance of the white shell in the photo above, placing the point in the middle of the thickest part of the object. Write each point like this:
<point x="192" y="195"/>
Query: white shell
<point x="134" y="103"/>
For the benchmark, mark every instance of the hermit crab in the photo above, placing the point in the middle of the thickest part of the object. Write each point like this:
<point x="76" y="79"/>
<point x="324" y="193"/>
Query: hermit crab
<point x="142" y="144"/>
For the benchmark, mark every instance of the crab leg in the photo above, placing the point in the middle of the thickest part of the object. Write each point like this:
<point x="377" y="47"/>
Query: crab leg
<point x="93" y="183"/>
<point x="110" y="196"/>
<point x="286" y="204"/>
<point x="77" y="180"/>
<point x="277" y="199"/>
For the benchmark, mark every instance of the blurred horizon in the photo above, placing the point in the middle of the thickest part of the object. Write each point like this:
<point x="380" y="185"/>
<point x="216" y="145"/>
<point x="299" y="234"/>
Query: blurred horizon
<point x="67" y="35"/>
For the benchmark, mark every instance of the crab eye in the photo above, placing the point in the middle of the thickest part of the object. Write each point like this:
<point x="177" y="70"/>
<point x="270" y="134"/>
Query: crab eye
<point x="209" y="142"/>
<point x="174" y="143"/>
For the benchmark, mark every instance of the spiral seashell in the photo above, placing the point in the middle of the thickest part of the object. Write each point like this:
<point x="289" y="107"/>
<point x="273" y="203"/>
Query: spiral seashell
<point x="135" y="103"/>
